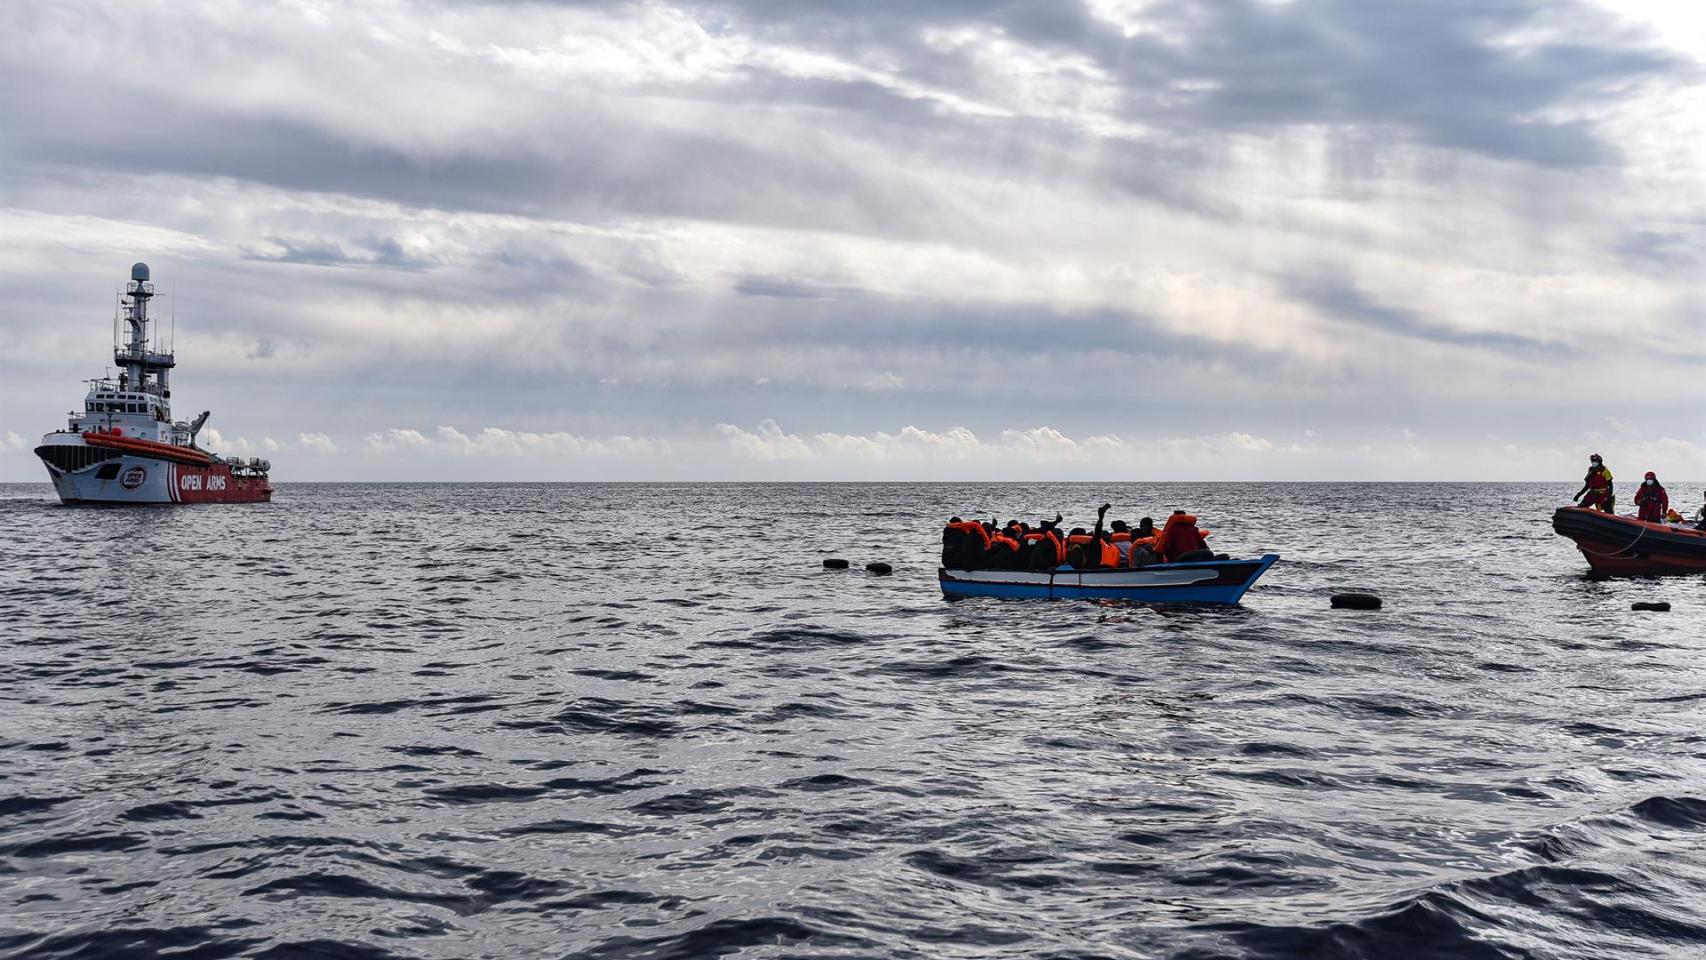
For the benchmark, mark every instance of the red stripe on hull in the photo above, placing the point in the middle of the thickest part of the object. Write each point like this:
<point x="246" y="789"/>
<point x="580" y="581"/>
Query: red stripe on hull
<point x="217" y="484"/>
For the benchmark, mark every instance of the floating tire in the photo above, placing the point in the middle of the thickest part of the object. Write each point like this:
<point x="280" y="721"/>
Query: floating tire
<point x="880" y="568"/>
<point x="1355" y="601"/>
<point x="1657" y="606"/>
<point x="835" y="563"/>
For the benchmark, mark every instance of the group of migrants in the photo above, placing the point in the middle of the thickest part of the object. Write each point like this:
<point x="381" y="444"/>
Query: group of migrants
<point x="1016" y="545"/>
<point x="1652" y="503"/>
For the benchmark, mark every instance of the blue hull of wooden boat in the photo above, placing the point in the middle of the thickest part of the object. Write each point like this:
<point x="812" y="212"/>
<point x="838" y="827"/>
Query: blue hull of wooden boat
<point x="1210" y="581"/>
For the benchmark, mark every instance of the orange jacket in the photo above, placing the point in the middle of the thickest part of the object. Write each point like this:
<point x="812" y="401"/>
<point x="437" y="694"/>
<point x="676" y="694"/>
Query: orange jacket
<point x="1109" y="554"/>
<point x="1179" y="537"/>
<point x="974" y="529"/>
<point x="1053" y="539"/>
<point x="1137" y="546"/>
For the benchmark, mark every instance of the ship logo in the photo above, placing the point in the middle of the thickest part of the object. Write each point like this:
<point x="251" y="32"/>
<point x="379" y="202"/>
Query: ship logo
<point x="133" y="478"/>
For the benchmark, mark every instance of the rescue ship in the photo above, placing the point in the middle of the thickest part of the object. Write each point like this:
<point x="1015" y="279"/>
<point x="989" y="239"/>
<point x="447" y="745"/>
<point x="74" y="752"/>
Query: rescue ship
<point x="125" y="448"/>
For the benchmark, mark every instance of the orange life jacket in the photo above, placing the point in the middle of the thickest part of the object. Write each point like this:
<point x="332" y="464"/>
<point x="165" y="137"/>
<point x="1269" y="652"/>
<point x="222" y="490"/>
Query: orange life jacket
<point x="1003" y="540"/>
<point x="1053" y="538"/>
<point x="1180" y="536"/>
<point x="1109" y="554"/>
<point x="1124" y="536"/>
<point x="974" y="529"/>
<point x="1137" y="545"/>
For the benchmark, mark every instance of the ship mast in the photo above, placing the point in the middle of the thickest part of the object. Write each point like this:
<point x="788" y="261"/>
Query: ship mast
<point x="143" y="371"/>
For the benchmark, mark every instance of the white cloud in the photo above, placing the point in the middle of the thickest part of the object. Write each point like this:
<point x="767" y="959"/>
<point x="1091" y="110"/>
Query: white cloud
<point x="395" y="440"/>
<point x="11" y="442"/>
<point x="884" y="381"/>
<point x="768" y="442"/>
<point x="501" y="443"/>
<point x="1042" y="443"/>
<point x="911" y="443"/>
<point x="1034" y="445"/>
<point x="211" y="439"/>
<point x="316" y="444"/>
<point x="313" y="444"/>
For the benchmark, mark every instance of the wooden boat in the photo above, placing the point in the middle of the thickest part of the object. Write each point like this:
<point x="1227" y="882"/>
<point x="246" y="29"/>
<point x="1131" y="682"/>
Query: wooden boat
<point x="1207" y="581"/>
<point x="1625" y="546"/>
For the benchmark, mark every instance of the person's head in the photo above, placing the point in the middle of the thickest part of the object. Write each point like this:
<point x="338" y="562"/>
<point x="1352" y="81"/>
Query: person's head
<point x="1652" y="478"/>
<point x="1178" y="513"/>
<point x="955" y="520"/>
<point x="1146" y="526"/>
<point x="1118" y="526"/>
<point x="1596" y="460"/>
<point x="1078" y="532"/>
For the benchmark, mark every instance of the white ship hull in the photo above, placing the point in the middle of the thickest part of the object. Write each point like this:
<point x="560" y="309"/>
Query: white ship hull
<point x="85" y="474"/>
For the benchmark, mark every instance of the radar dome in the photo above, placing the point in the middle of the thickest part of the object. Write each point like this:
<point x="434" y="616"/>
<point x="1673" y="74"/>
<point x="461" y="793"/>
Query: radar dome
<point x="139" y="272"/>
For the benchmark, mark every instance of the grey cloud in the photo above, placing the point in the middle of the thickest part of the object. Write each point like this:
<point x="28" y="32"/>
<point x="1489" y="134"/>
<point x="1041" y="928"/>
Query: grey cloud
<point x="792" y="290"/>
<point x="1677" y="247"/>
<point x="1432" y="69"/>
<point x="1345" y="302"/>
<point x="1439" y="69"/>
<point x="373" y="251"/>
<point x="594" y="163"/>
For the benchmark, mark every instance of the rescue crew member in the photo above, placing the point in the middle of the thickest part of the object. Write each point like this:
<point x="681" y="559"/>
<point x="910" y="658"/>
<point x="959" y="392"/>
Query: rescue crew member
<point x="1651" y="501"/>
<point x="1600" y="495"/>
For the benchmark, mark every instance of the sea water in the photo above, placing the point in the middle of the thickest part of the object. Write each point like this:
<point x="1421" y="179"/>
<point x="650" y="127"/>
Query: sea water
<point x="643" y="721"/>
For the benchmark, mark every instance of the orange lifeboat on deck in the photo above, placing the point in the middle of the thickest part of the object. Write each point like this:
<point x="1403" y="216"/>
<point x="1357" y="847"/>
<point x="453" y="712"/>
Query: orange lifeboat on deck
<point x="149" y="448"/>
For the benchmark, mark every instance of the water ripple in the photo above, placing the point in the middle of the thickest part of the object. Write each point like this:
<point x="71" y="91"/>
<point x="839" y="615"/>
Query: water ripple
<point x="446" y="721"/>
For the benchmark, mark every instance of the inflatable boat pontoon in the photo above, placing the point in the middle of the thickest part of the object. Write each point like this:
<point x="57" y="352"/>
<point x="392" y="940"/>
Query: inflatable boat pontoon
<point x="1625" y="546"/>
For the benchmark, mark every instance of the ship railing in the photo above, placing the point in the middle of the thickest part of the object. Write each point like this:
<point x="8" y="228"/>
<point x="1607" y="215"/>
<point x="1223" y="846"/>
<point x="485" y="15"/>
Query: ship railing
<point x="133" y="355"/>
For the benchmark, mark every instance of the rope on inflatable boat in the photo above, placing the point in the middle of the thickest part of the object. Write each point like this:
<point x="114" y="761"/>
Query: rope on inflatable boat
<point x="1616" y="553"/>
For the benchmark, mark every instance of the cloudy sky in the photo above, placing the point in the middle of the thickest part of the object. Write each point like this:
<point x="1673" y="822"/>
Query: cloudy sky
<point x="1126" y="239"/>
